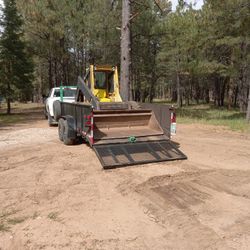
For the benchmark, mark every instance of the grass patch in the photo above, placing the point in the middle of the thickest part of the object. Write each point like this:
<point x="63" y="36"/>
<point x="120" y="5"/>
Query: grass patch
<point x="20" y="112"/>
<point x="205" y="114"/>
<point x="53" y="215"/>
<point x="16" y="220"/>
<point x="11" y="221"/>
<point x="12" y="118"/>
<point x="6" y="214"/>
<point x="18" y="106"/>
<point x="35" y="215"/>
<point x="3" y="227"/>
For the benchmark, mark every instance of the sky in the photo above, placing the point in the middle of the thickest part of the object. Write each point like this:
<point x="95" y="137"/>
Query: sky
<point x="198" y="5"/>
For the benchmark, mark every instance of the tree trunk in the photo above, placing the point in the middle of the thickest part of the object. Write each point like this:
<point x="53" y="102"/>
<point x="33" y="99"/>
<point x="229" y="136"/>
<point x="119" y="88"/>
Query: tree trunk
<point x="8" y="106"/>
<point x="50" y="75"/>
<point x="230" y="94"/>
<point x="243" y="86"/>
<point x="222" y="94"/>
<point x="248" y="107"/>
<point x="125" y="50"/>
<point x="8" y="97"/>
<point x="178" y="89"/>
<point x="236" y="96"/>
<point x="207" y="98"/>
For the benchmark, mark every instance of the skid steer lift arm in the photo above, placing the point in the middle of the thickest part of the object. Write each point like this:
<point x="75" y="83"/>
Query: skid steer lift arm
<point x="84" y="92"/>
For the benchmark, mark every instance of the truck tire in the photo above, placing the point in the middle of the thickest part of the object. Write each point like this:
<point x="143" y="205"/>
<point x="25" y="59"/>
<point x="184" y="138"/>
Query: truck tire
<point x="57" y="110"/>
<point x="66" y="139"/>
<point x="61" y="129"/>
<point x="50" y="120"/>
<point x="45" y="113"/>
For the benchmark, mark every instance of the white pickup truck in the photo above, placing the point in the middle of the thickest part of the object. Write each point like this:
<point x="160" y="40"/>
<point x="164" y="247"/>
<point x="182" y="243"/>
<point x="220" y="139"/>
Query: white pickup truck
<point x="63" y="93"/>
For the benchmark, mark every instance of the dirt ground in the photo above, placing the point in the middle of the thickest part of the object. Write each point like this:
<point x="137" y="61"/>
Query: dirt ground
<point x="54" y="196"/>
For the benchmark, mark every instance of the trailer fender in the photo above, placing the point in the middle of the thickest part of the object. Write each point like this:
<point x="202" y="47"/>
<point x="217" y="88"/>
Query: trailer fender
<point x="71" y="126"/>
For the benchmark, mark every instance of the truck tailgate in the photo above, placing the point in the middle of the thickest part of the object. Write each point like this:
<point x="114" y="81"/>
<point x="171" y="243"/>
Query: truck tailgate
<point x="124" y="154"/>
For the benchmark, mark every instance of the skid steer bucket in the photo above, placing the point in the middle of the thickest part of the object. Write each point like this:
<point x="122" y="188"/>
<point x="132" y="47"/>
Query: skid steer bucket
<point x="120" y="124"/>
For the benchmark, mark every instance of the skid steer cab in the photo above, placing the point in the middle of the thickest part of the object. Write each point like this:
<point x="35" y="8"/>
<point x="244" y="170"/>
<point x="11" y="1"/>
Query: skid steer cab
<point x="102" y="83"/>
<point x="121" y="133"/>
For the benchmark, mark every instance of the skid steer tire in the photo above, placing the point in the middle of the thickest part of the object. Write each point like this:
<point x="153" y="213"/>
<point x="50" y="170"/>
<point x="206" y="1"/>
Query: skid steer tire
<point x="57" y="110"/>
<point x="66" y="139"/>
<point x="61" y="129"/>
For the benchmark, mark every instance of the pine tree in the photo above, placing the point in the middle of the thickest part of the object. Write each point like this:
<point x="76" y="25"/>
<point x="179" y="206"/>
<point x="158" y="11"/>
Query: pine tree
<point x="16" y="67"/>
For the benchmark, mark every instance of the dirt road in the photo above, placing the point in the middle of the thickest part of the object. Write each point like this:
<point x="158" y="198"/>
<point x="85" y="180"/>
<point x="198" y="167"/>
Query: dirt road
<point x="58" y="197"/>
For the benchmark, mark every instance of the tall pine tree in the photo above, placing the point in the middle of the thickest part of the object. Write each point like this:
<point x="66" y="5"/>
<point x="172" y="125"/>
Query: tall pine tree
<point x="16" y="67"/>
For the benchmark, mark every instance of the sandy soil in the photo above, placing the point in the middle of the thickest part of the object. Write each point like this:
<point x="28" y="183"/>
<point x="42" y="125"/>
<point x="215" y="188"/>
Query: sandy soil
<point x="58" y="197"/>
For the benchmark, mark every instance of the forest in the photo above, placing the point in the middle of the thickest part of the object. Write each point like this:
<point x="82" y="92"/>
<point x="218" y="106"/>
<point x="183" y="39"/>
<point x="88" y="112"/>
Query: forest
<point x="184" y="56"/>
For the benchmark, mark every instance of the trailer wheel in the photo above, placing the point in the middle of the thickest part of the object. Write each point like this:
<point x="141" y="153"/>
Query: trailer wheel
<point x="66" y="139"/>
<point x="61" y="129"/>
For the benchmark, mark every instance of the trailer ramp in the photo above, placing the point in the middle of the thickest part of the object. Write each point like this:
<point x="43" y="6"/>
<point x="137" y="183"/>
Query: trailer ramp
<point x="124" y="154"/>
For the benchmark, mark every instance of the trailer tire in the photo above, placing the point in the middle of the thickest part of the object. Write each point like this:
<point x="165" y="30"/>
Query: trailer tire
<point x="61" y="129"/>
<point x="57" y="110"/>
<point x="66" y="139"/>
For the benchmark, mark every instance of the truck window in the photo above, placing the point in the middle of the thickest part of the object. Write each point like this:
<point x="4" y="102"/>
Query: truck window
<point x="69" y="92"/>
<point x="56" y="93"/>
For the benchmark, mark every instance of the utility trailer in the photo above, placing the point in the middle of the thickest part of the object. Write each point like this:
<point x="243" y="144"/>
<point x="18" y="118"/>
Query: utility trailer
<point x="121" y="133"/>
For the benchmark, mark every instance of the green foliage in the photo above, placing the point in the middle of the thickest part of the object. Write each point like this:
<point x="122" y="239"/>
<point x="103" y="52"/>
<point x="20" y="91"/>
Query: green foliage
<point x="16" y="66"/>
<point x="146" y="36"/>
<point x="186" y="55"/>
<point x="67" y="35"/>
<point x="208" y="50"/>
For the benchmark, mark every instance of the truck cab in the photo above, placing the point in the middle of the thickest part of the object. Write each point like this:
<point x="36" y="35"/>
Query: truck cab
<point x="63" y="93"/>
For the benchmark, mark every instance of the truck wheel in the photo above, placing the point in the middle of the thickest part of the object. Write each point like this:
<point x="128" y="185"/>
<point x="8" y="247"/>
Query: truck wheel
<point x="45" y="114"/>
<point x="57" y="110"/>
<point x="50" y="120"/>
<point x="61" y="129"/>
<point x="66" y="139"/>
